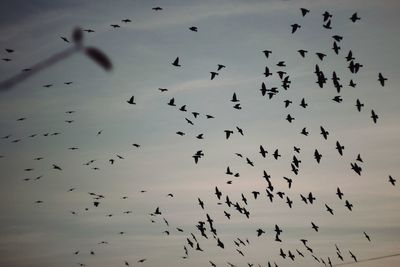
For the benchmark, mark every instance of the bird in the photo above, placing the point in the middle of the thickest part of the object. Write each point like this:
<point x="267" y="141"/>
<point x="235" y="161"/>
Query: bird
<point x="359" y="105"/>
<point x="281" y="64"/>
<point x="213" y="74"/>
<point x="228" y="133"/>
<point x="357" y="169"/>
<point x="336" y="48"/>
<point x="267" y="73"/>
<point x="303" y="103"/>
<point x="374" y="116"/>
<point x="64" y="39"/>
<point x="176" y="62"/>
<point x="337" y="99"/>
<point x="267" y="53"/>
<point x="172" y="102"/>
<point x="240" y="130"/>
<point x="348" y="205"/>
<point x="317" y="156"/>
<point x="367" y="237"/>
<point x="248" y="161"/>
<point x="352" y="255"/>
<point x="315" y="227"/>
<point x="326" y="15"/>
<point x="304" y="131"/>
<point x="381" y="79"/>
<point x="276" y="154"/>
<point x="324" y="133"/>
<point x="289" y="118"/>
<point x="295" y="26"/>
<point x="354" y="17"/>
<point x="289" y="202"/>
<point x="339" y="148"/>
<point x="201" y="203"/>
<point x="289" y="181"/>
<point x="263" y="152"/>
<point x="193" y="29"/>
<point x="234" y="98"/>
<point x="287" y="103"/>
<point x="220" y="67"/>
<point x="302" y="52"/>
<point x="282" y="254"/>
<point x="218" y="193"/>
<point x="320" y="55"/>
<point x="56" y="167"/>
<point x="126" y="20"/>
<point x="157" y="8"/>
<point x="337" y="38"/>
<point x="115" y="26"/>
<point x="163" y="89"/>
<point x="260" y="232"/>
<point x="131" y="101"/>
<point x="255" y="194"/>
<point x="339" y="193"/>
<point x="290" y="255"/>
<point x="304" y="11"/>
<point x="327" y="25"/>
<point x="310" y="198"/>
<point x="329" y="209"/>
<point x="392" y="180"/>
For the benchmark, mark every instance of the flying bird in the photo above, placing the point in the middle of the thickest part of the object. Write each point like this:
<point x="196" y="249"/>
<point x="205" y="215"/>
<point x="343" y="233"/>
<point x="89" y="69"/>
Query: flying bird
<point x="176" y="62"/>
<point x="381" y="79"/>
<point x="295" y="27"/>
<point x="354" y="17"/>
<point x="304" y="11"/>
<point x="131" y="101"/>
<point x="374" y="116"/>
<point x="213" y="74"/>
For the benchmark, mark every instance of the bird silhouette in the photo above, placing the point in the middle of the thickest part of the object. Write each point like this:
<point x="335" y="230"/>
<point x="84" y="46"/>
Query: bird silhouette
<point x="304" y="11"/>
<point x="172" y="102"/>
<point x="374" y="116"/>
<point x="131" y="101"/>
<point x="381" y="79"/>
<point x="303" y="52"/>
<point x="354" y="17"/>
<point x="295" y="26"/>
<point x="213" y="74"/>
<point x="176" y="62"/>
<point x="359" y="105"/>
<point x="392" y="180"/>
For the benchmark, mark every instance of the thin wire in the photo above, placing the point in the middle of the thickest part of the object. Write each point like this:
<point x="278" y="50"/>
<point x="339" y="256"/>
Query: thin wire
<point x="371" y="259"/>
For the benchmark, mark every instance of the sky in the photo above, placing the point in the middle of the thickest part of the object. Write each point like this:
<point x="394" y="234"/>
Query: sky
<point x="233" y="33"/>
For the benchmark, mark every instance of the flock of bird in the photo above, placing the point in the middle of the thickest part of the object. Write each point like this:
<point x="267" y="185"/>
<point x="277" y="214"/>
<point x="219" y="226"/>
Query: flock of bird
<point x="206" y="227"/>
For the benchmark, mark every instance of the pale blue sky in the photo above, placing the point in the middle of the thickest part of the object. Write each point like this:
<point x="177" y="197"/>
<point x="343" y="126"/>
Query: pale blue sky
<point x="233" y="33"/>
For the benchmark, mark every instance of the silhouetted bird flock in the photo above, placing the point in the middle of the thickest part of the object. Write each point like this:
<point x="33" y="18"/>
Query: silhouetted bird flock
<point x="207" y="226"/>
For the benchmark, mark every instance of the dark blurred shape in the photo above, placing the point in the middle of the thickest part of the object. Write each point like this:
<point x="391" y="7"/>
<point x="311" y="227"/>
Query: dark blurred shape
<point x="77" y="36"/>
<point x="99" y="57"/>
